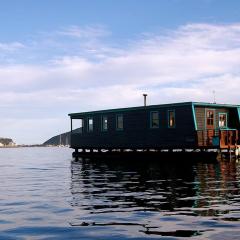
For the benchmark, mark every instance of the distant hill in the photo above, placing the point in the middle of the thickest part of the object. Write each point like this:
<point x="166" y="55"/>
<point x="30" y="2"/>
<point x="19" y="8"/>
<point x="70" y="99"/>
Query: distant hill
<point x="61" y="139"/>
<point x="6" y="142"/>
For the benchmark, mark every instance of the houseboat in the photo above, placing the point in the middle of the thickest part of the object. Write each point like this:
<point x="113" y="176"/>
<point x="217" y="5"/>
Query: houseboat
<point x="185" y="125"/>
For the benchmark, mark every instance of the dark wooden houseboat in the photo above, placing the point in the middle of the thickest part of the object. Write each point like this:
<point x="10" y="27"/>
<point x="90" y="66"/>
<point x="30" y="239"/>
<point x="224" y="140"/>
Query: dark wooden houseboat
<point x="187" y="125"/>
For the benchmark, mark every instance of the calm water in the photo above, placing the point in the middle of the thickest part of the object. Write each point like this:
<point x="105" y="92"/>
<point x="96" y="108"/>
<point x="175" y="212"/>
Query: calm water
<point x="44" y="194"/>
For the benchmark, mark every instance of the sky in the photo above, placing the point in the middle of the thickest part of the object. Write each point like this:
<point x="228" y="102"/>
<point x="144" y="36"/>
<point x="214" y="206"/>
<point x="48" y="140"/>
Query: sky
<point x="63" y="56"/>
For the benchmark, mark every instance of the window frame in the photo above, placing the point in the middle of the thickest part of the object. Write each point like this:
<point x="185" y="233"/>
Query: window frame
<point x="74" y="127"/>
<point x="213" y="126"/>
<point x="103" y="123"/>
<point x="226" y="114"/>
<point x="151" y="119"/>
<point x="174" y="114"/>
<point x="117" y="126"/>
<point x="88" y="128"/>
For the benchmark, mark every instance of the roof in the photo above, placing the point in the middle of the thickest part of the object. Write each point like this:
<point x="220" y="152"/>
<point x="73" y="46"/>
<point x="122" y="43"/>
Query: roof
<point x="216" y="105"/>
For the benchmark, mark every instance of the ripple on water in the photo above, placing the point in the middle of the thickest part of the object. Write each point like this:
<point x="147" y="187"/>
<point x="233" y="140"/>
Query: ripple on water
<point x="45" y="195"/>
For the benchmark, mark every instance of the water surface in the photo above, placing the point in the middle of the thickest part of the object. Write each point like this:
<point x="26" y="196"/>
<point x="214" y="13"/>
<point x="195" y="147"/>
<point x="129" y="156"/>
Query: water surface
<point x="45" y="194"/>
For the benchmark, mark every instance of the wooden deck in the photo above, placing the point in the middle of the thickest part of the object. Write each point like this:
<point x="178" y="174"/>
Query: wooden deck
<point x="218" y="138"/>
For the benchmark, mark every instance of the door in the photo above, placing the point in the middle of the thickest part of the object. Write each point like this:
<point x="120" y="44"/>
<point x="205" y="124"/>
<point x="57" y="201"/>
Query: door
<point x="210" y="118"/>
<point x="210" y="125"/>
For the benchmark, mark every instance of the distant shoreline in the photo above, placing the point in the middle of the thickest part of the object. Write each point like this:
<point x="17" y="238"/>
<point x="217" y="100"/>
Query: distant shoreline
<point x="34" y="145"/>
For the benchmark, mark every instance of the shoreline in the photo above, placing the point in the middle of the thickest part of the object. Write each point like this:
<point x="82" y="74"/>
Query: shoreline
<point x="35" y="145"/>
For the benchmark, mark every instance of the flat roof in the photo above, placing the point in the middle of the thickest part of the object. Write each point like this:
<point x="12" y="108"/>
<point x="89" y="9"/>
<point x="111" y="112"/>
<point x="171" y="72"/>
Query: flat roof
<point x="204" y="104"/>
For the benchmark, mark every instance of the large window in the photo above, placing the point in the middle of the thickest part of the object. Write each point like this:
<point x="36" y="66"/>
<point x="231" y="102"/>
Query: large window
<point x="90" y="124"/>
<point x="119" y="122"/>
<point x="104" y="123"/>
<point x="171" y="119"/>
<point x="222" y="120"/>
<point x="154" y="120"/>
<point x="77" y="125"/>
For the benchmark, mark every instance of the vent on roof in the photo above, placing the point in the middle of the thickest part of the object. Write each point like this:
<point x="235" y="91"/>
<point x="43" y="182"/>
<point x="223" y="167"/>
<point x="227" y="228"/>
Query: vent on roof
<point x="145" y="99"/>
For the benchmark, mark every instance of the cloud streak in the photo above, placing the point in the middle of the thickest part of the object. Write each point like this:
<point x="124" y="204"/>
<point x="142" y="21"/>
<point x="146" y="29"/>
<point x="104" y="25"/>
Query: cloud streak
<point x="11" y="47"/>
<point x="87" y="32"/>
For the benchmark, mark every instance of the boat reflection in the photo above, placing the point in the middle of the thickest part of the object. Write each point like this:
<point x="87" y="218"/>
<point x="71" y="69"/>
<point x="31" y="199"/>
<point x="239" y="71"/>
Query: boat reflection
<point x="154" y="186"/>
<point x="153" y="195"/>
<point x="217" y="188"/>
<point x="121" y="186"/>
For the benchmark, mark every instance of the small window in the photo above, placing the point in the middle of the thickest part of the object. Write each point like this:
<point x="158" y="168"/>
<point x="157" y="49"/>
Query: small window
<point x="104" y="123"/>
<point x="90" y="124"/>
<point x="171" y="119"/>
<point x="222" y="120"/>
<point x="119" y="122"/>
<point x="154" y="120"/>
<point x="210" y="118"/>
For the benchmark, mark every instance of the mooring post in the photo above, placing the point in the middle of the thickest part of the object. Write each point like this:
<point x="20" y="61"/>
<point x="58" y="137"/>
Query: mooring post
<point x="219" y="156"/>
<point x="236" y="151"/>
<point x="230" y="154"/>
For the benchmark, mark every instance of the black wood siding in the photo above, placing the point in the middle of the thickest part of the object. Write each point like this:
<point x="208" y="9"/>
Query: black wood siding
<point x="137" y="132"/>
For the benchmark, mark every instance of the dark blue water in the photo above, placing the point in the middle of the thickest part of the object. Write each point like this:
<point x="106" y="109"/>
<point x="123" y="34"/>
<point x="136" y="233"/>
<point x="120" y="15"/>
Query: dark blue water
<point x="44" y="194"/>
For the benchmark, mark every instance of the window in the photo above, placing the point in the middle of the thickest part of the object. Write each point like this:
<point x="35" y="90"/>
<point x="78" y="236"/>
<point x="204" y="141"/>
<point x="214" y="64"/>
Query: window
<point x="119" y="122"/>
<point x="77" y="125"/>
<point x="171" y="119"/>
<point x="104" y="123"/>
<point x="154" y="118"/>
<point x="222" y="120"/>
<point x="90" y="124"/>
<point x="210" y="118"/>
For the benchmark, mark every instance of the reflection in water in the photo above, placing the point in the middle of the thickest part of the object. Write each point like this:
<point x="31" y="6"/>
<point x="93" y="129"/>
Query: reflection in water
<point x="123" y="186"/>
<point x="152" y="199"/>
<point x="218" y="188"/>
<point x="114" y="200"/>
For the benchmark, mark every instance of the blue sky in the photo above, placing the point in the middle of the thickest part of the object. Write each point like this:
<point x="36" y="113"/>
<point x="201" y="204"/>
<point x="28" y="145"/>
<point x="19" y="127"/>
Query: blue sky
<point x="59" y="56"/>
<point x="125" y="18"/>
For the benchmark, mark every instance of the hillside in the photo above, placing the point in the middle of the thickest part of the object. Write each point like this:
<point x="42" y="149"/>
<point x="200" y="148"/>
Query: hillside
<point x="61" y="139"/>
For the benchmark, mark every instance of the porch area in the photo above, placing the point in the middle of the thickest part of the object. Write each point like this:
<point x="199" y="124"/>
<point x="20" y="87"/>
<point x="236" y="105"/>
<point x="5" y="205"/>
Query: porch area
<point x="218" y="138"/>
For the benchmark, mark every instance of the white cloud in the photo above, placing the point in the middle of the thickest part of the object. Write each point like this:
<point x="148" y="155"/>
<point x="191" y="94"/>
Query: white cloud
<point x="182" y="65"/>
<point x="87" y="32"/>
<point x="10" y="47"/>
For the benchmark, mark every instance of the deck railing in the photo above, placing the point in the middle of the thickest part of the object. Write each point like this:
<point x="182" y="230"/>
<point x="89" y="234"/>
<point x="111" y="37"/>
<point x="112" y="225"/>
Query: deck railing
<point x="223" y="138"/>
